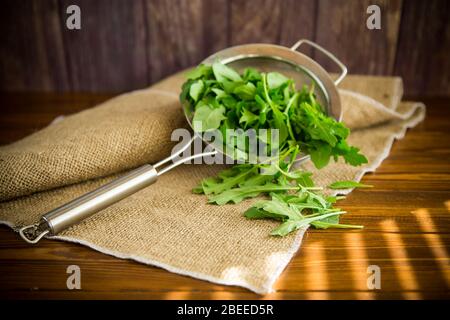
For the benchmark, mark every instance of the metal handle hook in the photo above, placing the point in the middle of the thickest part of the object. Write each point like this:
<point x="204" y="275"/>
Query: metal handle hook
<point x="32" y="230"/>
<point x="327" y="53"/>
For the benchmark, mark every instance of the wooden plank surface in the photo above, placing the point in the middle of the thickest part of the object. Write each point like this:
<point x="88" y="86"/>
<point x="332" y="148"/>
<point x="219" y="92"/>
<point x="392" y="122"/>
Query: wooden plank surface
<point x="110" y="49"/>
<point x="423" y="52"/>
<point x="216" y="29"/>
<point x="406" y="217"/>
<point x="252" y="22"/>
<point x="272" y="21"/>
<point x="180" y="34"/>
<point x="32" y="49"/>
<point x="341" y="28"/>
<point x="127" y="45"/>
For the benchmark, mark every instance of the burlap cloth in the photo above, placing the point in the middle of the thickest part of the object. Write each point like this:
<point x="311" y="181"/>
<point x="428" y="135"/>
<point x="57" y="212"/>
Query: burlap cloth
<point x="165" y="225"/>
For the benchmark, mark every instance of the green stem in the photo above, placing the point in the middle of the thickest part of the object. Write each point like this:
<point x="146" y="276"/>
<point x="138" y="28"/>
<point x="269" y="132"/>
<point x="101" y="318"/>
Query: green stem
<point x="266" y="91"/>
<point x="288" y="121"/>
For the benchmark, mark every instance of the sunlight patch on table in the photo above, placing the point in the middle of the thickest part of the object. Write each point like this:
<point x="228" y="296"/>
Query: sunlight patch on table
<point x="316" y="278"/>
<point x="399" y="256"/>
<point x="358" y="262"/>
<point x="434" y="241"/>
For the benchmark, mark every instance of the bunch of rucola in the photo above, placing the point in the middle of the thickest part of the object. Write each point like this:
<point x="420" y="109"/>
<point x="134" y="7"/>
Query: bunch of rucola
<point x="223" y="99"/>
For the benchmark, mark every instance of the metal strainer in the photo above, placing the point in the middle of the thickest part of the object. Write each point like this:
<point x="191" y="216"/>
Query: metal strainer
<point x="263" y="57"/>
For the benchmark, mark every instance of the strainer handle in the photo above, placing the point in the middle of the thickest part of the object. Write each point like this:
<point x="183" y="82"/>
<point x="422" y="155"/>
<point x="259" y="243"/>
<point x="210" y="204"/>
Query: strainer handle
<point x="327" y="53"/>
<point x="90" y="203"/>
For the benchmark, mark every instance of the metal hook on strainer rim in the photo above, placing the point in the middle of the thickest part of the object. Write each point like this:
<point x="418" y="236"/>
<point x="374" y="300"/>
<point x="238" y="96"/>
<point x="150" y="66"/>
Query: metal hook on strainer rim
<point x="328" y="54"/>
<point x="265" y="57"/>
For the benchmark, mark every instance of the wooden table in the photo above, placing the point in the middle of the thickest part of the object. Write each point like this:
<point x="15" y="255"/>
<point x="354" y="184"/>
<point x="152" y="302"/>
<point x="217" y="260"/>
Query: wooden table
<point x="406" y="217"/>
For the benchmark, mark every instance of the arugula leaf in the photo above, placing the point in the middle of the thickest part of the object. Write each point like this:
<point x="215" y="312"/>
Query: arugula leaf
<point x="224" y="73"/>
<point x="354" y="158"/>
<point x="295" y="224"/>
<point x="245" y="91"/>
<point x="228" y="181"/>
<point x="327" y="225"/>
<point x="257" y="180"/>
<point x="248" y="117"/>
<point x="201" y="71"/>
<point x="275" y="80"/>
<point x="348" y="185"/>
<point x="207" y="118"/>
<point x="318" y="126"/>
<point x="185" y="91"/>
<point x="236" y="195"/>
<point x="280" y="124"/>
<point x="256" y="213"/>
<point x="251" y="74"/>
<point x="305" y="180"/>
<point x="279" y="208"/>
<point x="320" y="155"/>
<point x="351" y="154"/>
<point x="196" y="90"/>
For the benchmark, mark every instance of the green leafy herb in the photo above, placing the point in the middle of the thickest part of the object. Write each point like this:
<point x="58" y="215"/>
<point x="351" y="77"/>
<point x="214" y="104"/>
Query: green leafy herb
<point x="348" y="185"/>
<point x="207" y="118"/>
<point x="294" y="198"/>
<point x="196" y="90"/>
<point x="223" y="99"/>
<point x="224" y="73"/>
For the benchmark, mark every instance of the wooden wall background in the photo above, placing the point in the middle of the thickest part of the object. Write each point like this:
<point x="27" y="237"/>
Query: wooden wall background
<point x="125" y="45"/>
